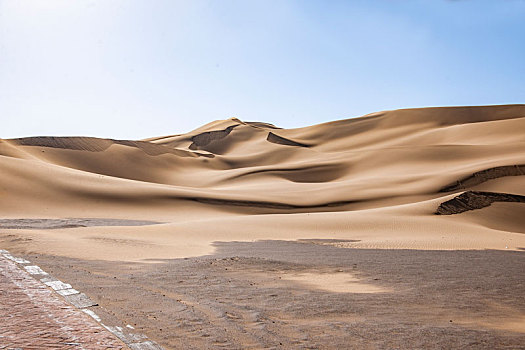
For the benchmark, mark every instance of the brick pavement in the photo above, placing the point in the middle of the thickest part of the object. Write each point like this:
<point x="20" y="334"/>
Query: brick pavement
<point x="32" y="316"/>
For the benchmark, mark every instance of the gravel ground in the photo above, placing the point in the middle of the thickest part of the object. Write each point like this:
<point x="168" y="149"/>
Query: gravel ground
<point x="241" y="297"/>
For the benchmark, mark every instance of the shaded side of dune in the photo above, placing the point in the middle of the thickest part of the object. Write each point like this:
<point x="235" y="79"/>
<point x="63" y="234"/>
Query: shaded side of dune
<point x="74" y="143"/>
<point x="93" y="144"/>
<point x="273" y="138"/>
<point x="472" y="200"/>
<point x="202" y="140"/>
<point x="305" y="174"/>
<point x="265" y="204"/>
<point x="484" y="175"/>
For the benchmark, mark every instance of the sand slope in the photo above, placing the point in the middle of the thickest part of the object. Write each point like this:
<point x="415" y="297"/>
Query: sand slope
<point x="378" y="179"/>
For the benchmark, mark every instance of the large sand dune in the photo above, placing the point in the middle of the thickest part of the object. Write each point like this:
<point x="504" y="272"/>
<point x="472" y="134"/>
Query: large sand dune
<point x="377" y="181"/>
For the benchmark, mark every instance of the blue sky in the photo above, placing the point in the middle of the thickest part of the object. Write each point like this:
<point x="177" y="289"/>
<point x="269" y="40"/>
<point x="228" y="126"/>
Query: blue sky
<point x="134" y="69"/>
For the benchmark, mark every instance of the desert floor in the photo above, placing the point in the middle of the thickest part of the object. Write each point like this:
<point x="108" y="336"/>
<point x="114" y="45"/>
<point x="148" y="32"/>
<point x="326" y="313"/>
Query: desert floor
<point x="310" y="294"/>
<point x="399" y="229"/>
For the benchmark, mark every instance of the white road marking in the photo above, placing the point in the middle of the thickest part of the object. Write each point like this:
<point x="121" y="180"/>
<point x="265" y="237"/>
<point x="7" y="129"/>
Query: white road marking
<point x="14" y="258"/>
<point x="92" y="314"/>
<point x="147" y="345"/>
<point x="117" y="332"/>
<point x="126" y="337"/>
<point x="69" y="291"/>
<point x="48" y="279"/>
<point x="134" y="341"/>
<point x="58" y="285"/>
<point x="35" y="270"/>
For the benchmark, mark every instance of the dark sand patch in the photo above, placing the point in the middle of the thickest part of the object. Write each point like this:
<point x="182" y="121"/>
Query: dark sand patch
<point x="48" y="224"/>
<point x="200" y="141"/>
<point x="472" y="200"/>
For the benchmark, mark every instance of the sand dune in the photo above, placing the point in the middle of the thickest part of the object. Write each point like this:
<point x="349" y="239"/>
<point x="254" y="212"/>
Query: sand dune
<point x="378" y="179"/>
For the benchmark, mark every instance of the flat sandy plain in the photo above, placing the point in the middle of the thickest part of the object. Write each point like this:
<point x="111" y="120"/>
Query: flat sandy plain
<point x="399" y="229"/>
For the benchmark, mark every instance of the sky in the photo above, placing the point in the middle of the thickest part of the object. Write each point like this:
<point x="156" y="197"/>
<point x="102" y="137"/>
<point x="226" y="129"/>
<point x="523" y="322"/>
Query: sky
<point x="129" y="69"/>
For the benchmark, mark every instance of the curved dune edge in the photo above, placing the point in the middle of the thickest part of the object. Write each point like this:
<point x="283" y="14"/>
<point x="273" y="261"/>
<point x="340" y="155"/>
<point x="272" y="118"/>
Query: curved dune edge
<point x="202" y="140"/>
<point x="269" y="205"/>
<point x="274" y="138"/>
<point x="93" y="144"/>
<point x="375" y="181"/>
<point x="482" y="176"/>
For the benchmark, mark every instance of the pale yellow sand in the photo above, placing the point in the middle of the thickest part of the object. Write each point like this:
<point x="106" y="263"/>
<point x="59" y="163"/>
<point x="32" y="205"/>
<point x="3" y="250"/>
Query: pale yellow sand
<point x="374" y="179"/>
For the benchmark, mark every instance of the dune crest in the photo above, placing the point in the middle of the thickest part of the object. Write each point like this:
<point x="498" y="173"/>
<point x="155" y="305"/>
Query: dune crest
<point x="342" y="179"/>
<point x="485" y="175"/>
